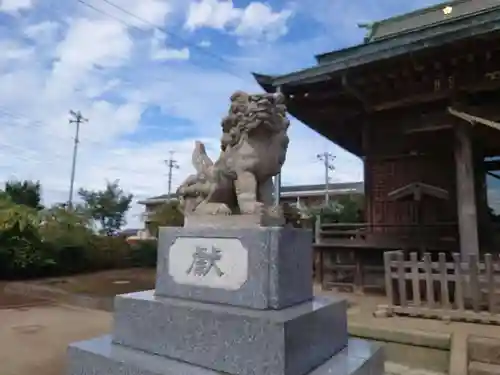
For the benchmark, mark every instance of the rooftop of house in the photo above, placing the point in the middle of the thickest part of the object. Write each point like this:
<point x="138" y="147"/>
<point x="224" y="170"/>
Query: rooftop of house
<point x="291" y="190"/>
<point x="129" y="231"/>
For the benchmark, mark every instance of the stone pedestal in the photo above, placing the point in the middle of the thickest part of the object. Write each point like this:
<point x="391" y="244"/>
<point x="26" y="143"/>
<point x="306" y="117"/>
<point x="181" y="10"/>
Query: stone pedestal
<point x="232" y="301"/>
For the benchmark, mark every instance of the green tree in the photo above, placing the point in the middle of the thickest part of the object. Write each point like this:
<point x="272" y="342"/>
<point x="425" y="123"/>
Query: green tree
<point x="58" y="222"/>
<point x="27" y="193"/>
<point x="20" y="216"/>
<point x="21" y="250"/>
<point x="292" y="215"/>
<point x="108" y="207"/>
<point x="343" y="209"/>
<point x="166" y="215"/>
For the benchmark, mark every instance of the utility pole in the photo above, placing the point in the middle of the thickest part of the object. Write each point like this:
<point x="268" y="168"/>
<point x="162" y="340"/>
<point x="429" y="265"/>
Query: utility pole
<point x="171" y="164"/>
<point x="277" y="178"/>
<point x="277" y="189"/>
<point x="76" y="118"/>
<point x="327" y="160"/>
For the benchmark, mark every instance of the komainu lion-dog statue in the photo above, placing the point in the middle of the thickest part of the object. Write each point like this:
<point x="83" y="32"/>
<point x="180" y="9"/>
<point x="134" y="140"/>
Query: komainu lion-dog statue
<point x="253" y="149"/>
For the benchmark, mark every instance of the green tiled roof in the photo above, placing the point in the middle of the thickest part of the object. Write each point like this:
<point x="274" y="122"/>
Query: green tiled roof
<point x="464" y="24"/>
<point x="430" y="16"/>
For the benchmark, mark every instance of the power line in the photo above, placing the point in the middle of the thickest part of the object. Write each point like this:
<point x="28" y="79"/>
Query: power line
<point x="175" y="36"/>
<point x="26" y="121"/>
<point x="163" y="30"/>
<point x="327" y="159"/>
<point x="15" y="152"/>
<point x="77" y="137"/>
<point x="171" y="164"/>
<point x="103" y="12"/>
<point x="77" y="119"/>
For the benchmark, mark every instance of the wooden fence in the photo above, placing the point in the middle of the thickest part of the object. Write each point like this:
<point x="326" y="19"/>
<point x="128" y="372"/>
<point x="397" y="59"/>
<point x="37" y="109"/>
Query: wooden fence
<point x="453" y="289"/>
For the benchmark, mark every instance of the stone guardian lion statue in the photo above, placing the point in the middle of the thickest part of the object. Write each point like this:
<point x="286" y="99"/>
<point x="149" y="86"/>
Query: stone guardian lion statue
<point x="253" y="149"/>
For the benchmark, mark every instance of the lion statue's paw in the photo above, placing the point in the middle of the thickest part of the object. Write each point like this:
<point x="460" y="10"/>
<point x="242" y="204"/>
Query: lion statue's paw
<point x="252" y="208"/>
<point x="208" y="208"/>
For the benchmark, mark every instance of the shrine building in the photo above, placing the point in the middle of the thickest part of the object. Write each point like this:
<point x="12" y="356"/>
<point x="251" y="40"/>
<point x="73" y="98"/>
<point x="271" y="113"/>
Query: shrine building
<point x="418" y="101"/>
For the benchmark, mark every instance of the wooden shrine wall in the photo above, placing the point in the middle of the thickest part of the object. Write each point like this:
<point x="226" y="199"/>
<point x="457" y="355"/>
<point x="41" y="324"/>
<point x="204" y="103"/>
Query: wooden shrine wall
<point x="389" y="165"/>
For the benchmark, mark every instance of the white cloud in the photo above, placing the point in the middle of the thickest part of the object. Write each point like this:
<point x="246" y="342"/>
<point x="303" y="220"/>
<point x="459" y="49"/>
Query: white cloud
<point x="302" y="165"/>
<point x="14" y="52"/>
<point x="205" y="43"/>
<point x="14" y="6"/>
<point x="143" y="14"/>
<point x="216" y="14"/>
<point x="92" y="42"/>
<point x="95" y="64"/>
<point x="153" y="11"/>
<point x="45" y="29"/>
<point x="162" y="53"/>
<point x="256" y="21"/>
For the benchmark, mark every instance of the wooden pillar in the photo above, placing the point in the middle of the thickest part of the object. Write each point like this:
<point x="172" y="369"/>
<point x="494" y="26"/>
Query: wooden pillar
<point x="367" y="165"/>
<point x="466" y="196"/>
<point x="483" y="216"/>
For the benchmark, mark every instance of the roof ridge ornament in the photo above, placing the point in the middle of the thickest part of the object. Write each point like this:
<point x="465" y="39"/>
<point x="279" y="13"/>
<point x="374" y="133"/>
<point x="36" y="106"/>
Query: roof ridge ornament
<point x="370" y="30"/>
<point x="447" y="10"/>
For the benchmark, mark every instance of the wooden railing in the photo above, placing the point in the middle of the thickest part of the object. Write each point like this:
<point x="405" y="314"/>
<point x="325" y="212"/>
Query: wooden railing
<point x="388" y="236"/>
<point x="350" y="255"/>
<point x="457" y="288"/>
<point x="337" y="262"/>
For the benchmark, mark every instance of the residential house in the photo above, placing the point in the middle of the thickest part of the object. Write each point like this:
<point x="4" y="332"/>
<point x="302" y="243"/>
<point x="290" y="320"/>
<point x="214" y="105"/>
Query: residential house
<point x="301" y="196"/>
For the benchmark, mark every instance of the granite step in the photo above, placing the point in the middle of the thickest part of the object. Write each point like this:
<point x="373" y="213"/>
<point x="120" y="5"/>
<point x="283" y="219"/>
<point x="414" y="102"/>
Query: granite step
<point x="480" y="368"/>
<point x="101" y="356"/>
<point x="290" y="341"/>
<point x="483" y="349"/>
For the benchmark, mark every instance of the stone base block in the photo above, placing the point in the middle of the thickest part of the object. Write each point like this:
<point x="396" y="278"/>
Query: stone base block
<point x="235" y="340"/>
<point x="100" y="356"/>
<point x="260" y="268"/>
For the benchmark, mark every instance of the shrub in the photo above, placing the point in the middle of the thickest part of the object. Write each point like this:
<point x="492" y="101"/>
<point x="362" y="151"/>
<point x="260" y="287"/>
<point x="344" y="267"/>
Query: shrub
<point x="23" y="257"/>
<point x="66" y="235"/>
<point x="165" y="215"/>
<point x="22" y="253"/>
<point x="144" y="253"/>
<point x="108" y="252"/>
<point x="60" y="242"/>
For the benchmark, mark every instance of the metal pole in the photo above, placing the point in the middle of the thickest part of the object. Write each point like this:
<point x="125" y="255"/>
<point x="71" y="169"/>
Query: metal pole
<point x="172" y="163"/>
<point x="277" y="189"/>
<point x="326" y="158"/>
<point x="277" y="178"/>
<point x="327" y="180"/>
<point x="78" y="119"/>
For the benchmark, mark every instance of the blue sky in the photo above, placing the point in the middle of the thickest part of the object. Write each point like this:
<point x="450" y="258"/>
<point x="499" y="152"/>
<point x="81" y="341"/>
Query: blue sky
<point x="155" y="82"/>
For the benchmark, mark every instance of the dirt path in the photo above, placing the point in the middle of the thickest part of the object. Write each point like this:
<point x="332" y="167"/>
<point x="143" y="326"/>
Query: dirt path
<point x="8" y="300"/>
<point x="33" y="340"/>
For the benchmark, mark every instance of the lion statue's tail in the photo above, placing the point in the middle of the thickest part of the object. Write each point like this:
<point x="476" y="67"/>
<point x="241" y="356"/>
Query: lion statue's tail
<point x="201" y="161"/>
